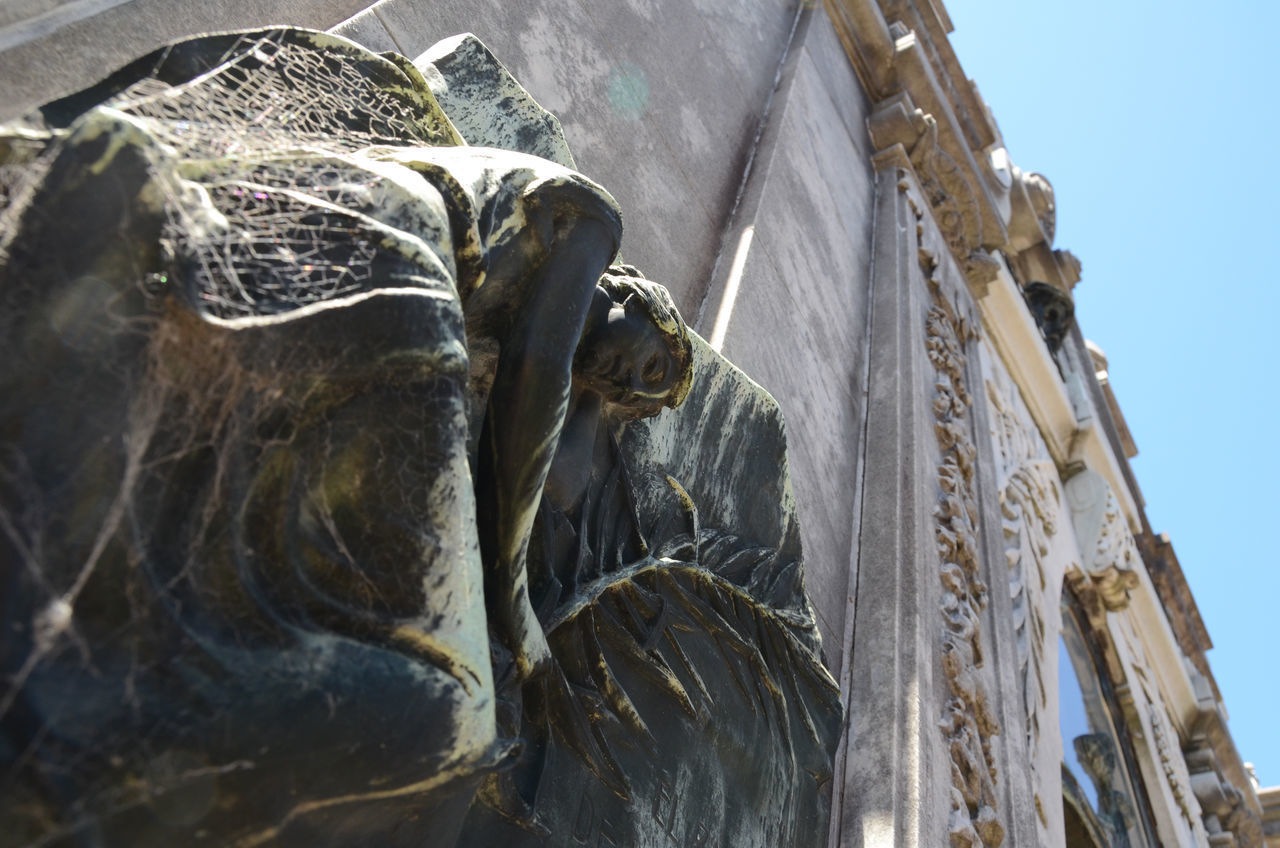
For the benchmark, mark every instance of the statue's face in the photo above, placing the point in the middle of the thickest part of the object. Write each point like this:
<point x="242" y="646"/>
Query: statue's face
<point x="628" y="360"/>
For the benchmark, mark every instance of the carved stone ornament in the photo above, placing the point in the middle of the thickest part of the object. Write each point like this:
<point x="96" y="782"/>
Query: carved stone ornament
<point x="1069" y="264"/>
<point x="1144" y="706"/>
<point x="948" y="191"/>
<point x="1171" y="761"/>
<point x="1030" y="511"/>
<point x="1040" y="193"/>
<point x="954" y="203"/>
<point x="1033" y="215"/>
<point x="348" y="496"/>
<point x="1110" y="552"/>
<point x="968" y="721"/>
<point x="1227" y="816"/>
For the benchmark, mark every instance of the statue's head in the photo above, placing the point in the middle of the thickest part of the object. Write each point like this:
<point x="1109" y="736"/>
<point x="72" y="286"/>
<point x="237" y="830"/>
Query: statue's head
<point x="640" y="357"/>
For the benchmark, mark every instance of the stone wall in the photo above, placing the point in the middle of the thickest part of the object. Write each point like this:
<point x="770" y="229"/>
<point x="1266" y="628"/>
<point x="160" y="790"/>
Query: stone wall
<point x="53" y="47"/>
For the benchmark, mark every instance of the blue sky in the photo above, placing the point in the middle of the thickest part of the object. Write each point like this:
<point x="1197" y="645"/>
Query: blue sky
<point x="1157" y="125"/>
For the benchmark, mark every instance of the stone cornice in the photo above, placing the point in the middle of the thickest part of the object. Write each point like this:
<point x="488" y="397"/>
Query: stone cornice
<point x="1171" y="673"/>
<point x="931" y="19"/>
<point x="902" y="55"/>
<point x="1219" y="776"/>
<point x="923" y="102"/>
<point x="1270" y="800"/>
<point x="865" y="35"/>
<point x="1175" y="594"/>
<point x="1113" y="406"/>
<point x="1221" y="782"/>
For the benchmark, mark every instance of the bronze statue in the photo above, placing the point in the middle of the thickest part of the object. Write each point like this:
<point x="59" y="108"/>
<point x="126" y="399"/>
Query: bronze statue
<point x="321" y="502"/>
<point x="271" y="339"/>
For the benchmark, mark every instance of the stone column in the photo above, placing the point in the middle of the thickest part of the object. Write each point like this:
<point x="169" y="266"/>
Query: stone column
<point x="925" y="762"/>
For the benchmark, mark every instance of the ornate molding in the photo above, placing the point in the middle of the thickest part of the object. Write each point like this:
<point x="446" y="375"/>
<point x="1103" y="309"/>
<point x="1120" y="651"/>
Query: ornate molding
<point x="1227" y="803"/>
<point x="1032" y="224"/>
<point x="1163" y="738"/>
<point x="1148" y="712"/>
<point x="952" y="195"/>
<point x="1014" y="435"/>
<point x="1243" y="822"/>
<point x="1171" y="762"/>
<point x="901" y="52"/>
<point x="1099" y="359"/>
<point x="1027" y="506"/>
<point x="1033" y="210"/>
<point x="1215" y="773"/>
<point x="1228" y="819"/>
<point x="967" y="722"/>
<point x="1030" y="509"/>
<point x="1110" y="552"/>
<point x="953" y="200"/>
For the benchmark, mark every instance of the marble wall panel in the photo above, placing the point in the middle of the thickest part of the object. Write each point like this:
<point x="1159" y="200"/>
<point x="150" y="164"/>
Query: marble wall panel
<point x="659" y="104"/>
<point x="367" y="29"/>
<point x="824" y="49"/>
<point x="799" y="320"/>
<point x="41" y="60"/>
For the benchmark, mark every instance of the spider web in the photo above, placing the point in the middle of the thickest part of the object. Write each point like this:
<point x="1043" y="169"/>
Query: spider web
<point x="264" y="128"/>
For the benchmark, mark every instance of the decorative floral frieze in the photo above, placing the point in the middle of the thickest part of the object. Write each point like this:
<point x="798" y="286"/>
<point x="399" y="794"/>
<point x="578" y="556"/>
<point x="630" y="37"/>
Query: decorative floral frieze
<point x="968" y="721"/>
<point x="1028" y="505"/>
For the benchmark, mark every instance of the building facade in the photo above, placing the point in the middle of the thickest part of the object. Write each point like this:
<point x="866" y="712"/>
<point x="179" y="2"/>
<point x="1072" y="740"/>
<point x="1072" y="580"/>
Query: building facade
<point x="833" y="209"/>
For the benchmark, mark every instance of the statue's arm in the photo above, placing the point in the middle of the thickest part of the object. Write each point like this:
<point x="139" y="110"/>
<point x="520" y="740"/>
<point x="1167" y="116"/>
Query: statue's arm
<point x="527" y="408"/>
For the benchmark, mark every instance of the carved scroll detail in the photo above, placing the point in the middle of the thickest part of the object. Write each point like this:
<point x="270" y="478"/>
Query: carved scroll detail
<point x="968" y="722"/>
<point x="1109" y="549"/>
<point x="1030" y="510"/>
<point x="1026" y="506"/>
<point x="1114" y="557"/>
<point x="1242" y="821"/>
<point x="953" y="200"/>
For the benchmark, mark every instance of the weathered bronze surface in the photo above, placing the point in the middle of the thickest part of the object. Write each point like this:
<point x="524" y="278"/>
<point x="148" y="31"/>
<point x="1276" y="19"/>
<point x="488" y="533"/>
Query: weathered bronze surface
<point x="345" y="502"/>
<point x="1054" y="311"/>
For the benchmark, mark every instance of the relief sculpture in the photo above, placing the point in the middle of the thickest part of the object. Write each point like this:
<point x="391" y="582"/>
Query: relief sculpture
<point x="352" y="493"/>
<point x="968" y="722"/>
<point x="1030" y="511"/>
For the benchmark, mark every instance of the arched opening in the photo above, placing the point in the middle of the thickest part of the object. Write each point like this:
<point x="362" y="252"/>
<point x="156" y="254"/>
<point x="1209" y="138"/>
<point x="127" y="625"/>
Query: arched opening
<point x="1104" y="803"/>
